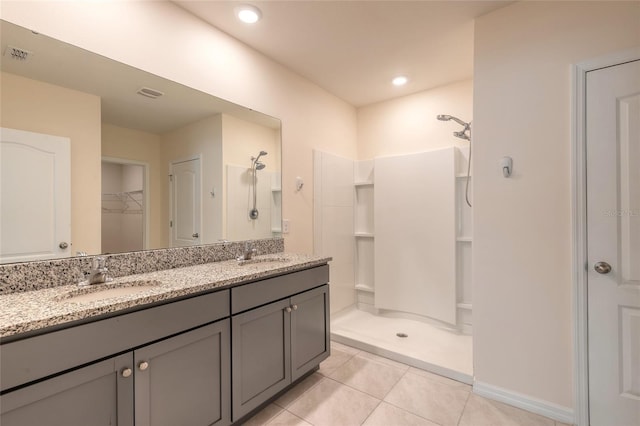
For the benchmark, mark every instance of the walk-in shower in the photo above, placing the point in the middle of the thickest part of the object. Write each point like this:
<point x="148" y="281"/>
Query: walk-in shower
<point x="255" y="166"/>
<point x="466" y="135"/>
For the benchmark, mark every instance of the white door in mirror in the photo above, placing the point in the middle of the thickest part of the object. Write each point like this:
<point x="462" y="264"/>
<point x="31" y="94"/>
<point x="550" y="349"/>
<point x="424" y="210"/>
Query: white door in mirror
<point x="185" y="203"/>
<point x="35" y="200"/>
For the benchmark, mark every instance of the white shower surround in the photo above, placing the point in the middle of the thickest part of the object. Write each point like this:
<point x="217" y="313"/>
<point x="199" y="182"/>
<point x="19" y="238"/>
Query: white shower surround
<point x="344" y="227"/>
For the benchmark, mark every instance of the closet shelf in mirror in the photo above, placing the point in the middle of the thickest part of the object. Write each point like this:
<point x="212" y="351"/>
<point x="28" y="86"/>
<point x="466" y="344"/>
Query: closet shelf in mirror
<point x="128" y="202"/>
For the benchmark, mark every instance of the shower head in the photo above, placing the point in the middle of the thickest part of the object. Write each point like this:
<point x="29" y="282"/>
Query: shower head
<point x="258" y="165"/>
<point x="443" y="117"/>
<point x="461" y="134"/>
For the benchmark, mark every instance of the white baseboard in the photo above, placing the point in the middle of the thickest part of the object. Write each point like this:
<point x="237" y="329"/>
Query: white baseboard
<point x="544" y="408"/>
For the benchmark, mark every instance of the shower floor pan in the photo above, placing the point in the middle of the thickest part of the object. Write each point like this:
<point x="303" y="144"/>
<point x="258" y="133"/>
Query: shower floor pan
<point x="425" y="346"/>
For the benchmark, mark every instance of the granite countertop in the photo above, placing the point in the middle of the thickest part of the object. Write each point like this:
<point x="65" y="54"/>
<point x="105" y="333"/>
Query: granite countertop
<point x="35" y="310"/>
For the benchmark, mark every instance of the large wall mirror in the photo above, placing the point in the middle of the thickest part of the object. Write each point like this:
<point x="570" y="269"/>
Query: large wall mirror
<point x="100" y="157"/>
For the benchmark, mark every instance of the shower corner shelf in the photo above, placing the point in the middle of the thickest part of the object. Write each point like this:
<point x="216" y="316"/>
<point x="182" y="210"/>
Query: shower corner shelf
<point x="467" y="306"/>
<point x="363" y="235"/>
<point x="365" y="288"/>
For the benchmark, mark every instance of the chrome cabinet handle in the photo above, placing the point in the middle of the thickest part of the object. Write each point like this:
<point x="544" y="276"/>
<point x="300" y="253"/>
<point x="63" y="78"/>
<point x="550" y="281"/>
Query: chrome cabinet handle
<point x="126" y="372"/>
<point x="196" y="235"/>
<point x="602" y="267"/>
<point x="143" y="365"/>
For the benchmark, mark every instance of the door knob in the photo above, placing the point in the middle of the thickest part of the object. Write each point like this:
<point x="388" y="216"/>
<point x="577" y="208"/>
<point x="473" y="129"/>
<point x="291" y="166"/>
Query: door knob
<point x="196" y="235"/>
<point x="287" y="309"/>
<point x="126" y="372"/>
<point x="63" y="245"/>
<point x="143" y="365"/>
<point x="602" y="267"/>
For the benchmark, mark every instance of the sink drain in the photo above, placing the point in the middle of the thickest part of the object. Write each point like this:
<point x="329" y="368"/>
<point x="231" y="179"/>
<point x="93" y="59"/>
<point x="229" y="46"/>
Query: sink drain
<point x="402" y="335"/>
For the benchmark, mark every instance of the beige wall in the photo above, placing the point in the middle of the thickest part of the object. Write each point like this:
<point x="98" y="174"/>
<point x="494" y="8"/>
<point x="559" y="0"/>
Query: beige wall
<point x="408" y="124"/>
<point x="44" y="108"/>
<point x="522" y="237"/>
<point x="204" y="139"/>
<point x="197" y="55"/>
<point x="136" y="145"/>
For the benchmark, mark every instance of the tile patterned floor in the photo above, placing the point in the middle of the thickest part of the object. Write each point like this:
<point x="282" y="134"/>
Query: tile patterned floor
<point x="353" y="387"/>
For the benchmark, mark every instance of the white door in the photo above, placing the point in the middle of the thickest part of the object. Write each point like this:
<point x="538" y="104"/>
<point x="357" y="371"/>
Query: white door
<point x="35" y="196"/>
<point x="613" y="228"/>
<point x="185" y="203"/>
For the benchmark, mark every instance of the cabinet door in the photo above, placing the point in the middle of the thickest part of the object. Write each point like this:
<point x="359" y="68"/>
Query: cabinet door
<point x="261" y="355"/>
<point x="95" y="395"/>
<point x="185" y="380"/>
<point x="309" y="330"/>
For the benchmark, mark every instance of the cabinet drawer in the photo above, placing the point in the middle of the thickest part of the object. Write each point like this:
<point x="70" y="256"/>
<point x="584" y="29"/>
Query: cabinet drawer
<point x="259" y="293"/>
<point x="36" y="357"/>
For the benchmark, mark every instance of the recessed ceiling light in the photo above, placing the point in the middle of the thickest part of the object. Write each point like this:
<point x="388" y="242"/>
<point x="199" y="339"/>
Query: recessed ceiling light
<point x="400" y="80"/>
<point x="248" y="14"/>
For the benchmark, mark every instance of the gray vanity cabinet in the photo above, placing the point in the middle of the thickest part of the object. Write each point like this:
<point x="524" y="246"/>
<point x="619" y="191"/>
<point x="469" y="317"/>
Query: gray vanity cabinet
<point x="184" y="380"/>
<point x="94" y="395"/>
<point x="277" y="343"/>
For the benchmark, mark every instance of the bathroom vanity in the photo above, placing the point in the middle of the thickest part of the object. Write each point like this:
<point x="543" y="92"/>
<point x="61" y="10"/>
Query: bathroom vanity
<point x="205" y="350"/>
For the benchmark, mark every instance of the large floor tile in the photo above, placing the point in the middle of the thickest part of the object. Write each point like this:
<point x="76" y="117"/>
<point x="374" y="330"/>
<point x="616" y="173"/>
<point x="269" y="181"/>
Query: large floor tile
<point x="383" y="360"/>
<point x="433" y="400"/>
<point x="330" y="403"/>
<point x="287" y="419"/>
<point x="387" y="415"/>
<point x="439" y="378"/>
<point x="368" y="376"/>
<point x="285" y="400"/>
<point x="485" y="412"/>
<point x="337" y="359"/>
<point x="264" y="416"/>
<point x="344" y="348"/>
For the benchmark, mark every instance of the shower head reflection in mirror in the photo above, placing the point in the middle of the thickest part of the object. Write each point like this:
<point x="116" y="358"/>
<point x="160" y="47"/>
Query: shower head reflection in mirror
<point x="255" y="166"/>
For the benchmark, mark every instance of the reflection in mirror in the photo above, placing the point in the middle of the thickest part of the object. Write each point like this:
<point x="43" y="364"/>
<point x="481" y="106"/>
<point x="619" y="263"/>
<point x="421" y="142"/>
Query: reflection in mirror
<point x="152" y="163"/>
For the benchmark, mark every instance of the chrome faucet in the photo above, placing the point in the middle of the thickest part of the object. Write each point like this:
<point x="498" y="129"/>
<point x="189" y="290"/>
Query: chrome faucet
<point x="98" y="272"/>
<point x="248" y="252"/>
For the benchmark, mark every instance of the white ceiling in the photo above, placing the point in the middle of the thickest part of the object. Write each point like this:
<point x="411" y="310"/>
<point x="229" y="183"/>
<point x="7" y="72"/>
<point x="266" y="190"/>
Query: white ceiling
<point x="354" y="48"/>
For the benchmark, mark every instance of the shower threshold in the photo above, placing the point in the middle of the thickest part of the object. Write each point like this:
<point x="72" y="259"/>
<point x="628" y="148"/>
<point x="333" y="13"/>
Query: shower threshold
<point x="425" y="346"/>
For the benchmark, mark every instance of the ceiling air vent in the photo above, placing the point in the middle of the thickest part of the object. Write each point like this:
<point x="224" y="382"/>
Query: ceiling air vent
<point x="149" y="93"/>
<point x="17" y="53"/>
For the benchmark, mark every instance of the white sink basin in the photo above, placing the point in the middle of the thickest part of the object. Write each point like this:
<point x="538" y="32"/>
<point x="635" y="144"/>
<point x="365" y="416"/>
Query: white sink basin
<point x="99" y="292"/>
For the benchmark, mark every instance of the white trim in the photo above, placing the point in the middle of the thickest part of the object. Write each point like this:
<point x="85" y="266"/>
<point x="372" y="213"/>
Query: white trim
<point x="579" y="225"/>
<point x="537" y="406"/>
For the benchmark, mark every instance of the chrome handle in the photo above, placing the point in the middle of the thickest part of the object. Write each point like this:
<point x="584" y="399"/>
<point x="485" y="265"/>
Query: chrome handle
<point x="294" y="307"/>
<point x="143" y="365"/>
<point x="126" y="372"/>
<point x="196" y="235"/>
<point x="602" y="267"/>
<point x="287" y="309"/>
<point x="63" y="245"/>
